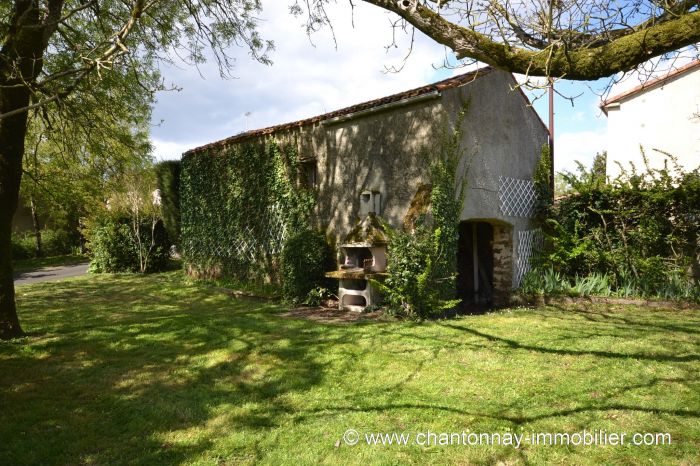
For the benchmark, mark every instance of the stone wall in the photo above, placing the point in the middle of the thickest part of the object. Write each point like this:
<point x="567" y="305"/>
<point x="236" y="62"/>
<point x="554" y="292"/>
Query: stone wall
<point x="388" y="150"/>
<point x="502" y="263"/>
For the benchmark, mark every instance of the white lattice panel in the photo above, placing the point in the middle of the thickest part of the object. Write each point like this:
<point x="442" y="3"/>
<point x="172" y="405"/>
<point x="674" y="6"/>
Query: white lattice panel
<point x="263" y="235"/>
<point x="277" y="230"/>
<point x="517" y="197"/>
<point x="529" y="241"/>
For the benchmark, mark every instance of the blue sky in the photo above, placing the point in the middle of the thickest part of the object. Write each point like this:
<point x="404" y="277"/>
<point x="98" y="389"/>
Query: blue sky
<point x="307" y="79"/>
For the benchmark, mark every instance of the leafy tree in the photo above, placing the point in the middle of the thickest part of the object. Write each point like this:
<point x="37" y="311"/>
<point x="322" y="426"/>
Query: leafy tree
<point x="136" y="201"/>
<point x="56" y="50"/>
<point x="571" y="39"/>
<point x="73" y="157"/>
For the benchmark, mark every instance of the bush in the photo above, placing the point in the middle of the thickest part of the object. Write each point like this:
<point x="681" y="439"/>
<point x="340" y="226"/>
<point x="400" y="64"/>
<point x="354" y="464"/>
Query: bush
<point x="114" y="249"/>
<point x="416" y="287"/>
<point x="58" y="242"/>
<point x="23" y="246"/>
<point x="111" y="248"/>
<point x="54" y="242"/>
<point x="637" y="236"/>
<point x="423" y="263"/>
<point x="306" y="257"/>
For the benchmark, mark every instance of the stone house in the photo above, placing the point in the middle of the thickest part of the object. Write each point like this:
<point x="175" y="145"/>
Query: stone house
<point x="662" y="116"/>
<point x="370" y="158"/>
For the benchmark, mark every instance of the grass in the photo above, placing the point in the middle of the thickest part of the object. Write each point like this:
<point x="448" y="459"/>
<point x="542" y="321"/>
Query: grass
<point x="159" y="370"/>
<point x="25" y="265"/>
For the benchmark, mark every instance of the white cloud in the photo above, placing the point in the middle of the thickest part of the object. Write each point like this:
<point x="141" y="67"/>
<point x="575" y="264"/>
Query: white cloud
<point x="581" y="146"/>
<point x="169" y="150"/>
<point x="531" y="82"/>
<point x="305" y="80"/>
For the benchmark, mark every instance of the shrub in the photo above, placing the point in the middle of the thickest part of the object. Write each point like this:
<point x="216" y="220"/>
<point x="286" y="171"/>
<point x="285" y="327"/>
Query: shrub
<point x="637" y="236"/>
<point x="318" y="295"/>
<point x="23" y="246"/>
<point x="111" y="247"/>
<point x="114" y="248"/>
<point x="306" y="257"/>
<point x="416" y="283"/>
<point x="54" y="242"/>
<point x="59" y="241"/>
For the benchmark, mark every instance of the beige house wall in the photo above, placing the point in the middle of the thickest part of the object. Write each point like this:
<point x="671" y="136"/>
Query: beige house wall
<point x="664" y="117"/>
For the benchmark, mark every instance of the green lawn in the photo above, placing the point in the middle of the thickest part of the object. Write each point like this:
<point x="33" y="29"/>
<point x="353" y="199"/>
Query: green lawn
<point x="158" y="370"/>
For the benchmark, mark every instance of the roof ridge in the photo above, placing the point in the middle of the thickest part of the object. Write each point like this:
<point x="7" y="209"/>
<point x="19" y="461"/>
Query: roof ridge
<point x="661" y="80"/>
<point x="448" y="83"/>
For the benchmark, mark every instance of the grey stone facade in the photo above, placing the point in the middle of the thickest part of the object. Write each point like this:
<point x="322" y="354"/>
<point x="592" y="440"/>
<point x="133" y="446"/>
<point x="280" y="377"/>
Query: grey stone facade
<point x="384" y="146"/>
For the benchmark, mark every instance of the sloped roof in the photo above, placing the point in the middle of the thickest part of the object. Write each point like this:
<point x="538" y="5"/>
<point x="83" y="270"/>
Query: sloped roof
<point x="449" y="83"/>
<point x="652" y="83"/>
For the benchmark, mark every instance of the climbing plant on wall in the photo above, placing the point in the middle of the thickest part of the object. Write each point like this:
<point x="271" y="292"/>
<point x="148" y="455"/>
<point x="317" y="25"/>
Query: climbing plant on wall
<point x="238" y="204"/>
<point x="423" y="262"/>
<point x="543" y="188"/>
<point x="447" y="199"/>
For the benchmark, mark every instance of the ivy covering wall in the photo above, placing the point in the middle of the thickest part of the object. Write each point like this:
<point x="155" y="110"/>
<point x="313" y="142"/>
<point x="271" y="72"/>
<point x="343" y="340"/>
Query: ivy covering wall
<point x="238" y="205"/>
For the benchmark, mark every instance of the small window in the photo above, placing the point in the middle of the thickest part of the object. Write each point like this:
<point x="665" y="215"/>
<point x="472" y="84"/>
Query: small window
<point x="307" y="174"/>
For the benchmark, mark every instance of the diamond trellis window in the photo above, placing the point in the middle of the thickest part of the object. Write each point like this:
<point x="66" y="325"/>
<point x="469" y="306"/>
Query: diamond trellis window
<point x="517" y="197"/>
<point x="529" y="241"/>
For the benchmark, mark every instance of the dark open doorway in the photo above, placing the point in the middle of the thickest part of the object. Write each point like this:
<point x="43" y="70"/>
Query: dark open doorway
<point x="475" y="266"/>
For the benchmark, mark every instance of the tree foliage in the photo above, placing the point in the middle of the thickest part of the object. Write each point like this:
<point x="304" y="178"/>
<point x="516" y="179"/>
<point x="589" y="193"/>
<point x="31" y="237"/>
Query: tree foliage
<point x="53" y="51"/>
<point x="77" y="153"/>
<point x="127" y="233"/>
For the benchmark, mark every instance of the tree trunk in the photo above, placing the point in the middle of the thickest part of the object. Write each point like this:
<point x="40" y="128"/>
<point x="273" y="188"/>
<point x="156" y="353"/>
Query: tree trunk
<point x="37" y="228"/>
<point x="12" y="131"/>
<point x="21" y="60"/>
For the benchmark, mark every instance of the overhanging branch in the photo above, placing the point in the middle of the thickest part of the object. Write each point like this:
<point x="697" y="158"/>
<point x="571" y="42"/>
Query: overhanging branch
<point x="583" y="62"/>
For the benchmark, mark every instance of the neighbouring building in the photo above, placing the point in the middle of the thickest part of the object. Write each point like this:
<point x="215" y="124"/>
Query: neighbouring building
<point x="369" y="159"/>
<point x="662" y="116"/>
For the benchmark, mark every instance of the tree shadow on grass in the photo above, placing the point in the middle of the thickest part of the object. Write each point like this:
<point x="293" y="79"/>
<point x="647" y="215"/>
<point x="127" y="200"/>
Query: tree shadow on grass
<point x="131" y="372"/>
<point x="605" y="330"/>
<point x="156" y="371"/>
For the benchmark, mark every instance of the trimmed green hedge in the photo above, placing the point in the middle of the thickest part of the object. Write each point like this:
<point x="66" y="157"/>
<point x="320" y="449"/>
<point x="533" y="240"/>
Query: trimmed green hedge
<point x="168" y="182"/>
